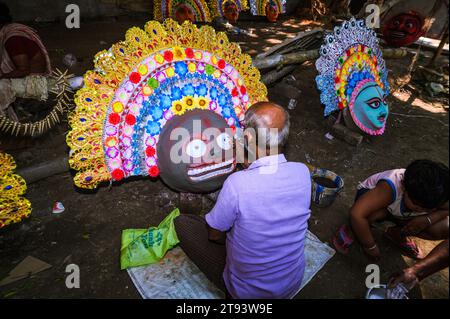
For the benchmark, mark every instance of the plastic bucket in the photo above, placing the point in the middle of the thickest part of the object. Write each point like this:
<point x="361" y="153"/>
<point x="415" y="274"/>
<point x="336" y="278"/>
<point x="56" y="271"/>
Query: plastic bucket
<point x="326" y="185"/>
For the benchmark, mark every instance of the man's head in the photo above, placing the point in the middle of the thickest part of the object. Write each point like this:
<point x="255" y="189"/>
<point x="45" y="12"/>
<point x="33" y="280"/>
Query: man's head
<point x="5" y="17"/>
<point x="271" y="124"/>
<point x="426" y="185"/>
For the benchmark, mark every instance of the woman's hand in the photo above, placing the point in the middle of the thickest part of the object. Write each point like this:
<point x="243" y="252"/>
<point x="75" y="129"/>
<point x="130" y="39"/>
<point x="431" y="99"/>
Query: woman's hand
<point x="416" y="226"/>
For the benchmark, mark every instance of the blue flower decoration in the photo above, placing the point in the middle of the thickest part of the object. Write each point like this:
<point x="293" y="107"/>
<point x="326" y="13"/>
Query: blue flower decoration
<point x="188" y="89"/>
<point x="213" y="93"/>
<point x="226" y="112"/>
<point x="181" y="68"/>
<point x="202" y="89"/>
<point x="153" y="128"/>
<point x="176" y="93"/>
<point x="165" y="101"/>
<point x="222" y="101"/>
<point x="156" y="113"/>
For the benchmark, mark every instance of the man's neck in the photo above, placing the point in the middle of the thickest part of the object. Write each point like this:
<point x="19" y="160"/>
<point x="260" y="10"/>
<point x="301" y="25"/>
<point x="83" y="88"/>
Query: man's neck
<point x="264" y="153"/>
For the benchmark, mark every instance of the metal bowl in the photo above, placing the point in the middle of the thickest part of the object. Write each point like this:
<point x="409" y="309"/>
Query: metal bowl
<point x="377" y="292"/>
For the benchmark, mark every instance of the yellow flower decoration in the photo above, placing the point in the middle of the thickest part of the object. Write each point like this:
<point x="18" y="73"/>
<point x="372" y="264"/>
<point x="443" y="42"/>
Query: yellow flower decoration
<point x="178" y="53"/>
<point x="201" y="103"/>
<point x="178" y="108"/>
<point x="189" y="102"/>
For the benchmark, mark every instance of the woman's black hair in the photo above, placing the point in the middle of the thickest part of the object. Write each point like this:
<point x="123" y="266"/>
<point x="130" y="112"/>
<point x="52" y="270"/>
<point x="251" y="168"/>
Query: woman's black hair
<point x="426" y="183"/>
<point x="5" y="16"/>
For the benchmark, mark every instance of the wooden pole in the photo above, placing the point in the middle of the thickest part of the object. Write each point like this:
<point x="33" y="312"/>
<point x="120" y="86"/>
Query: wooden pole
<point x="281" y="60"/>
<point x="43" y="170"/>
<point x="444" y="39"/>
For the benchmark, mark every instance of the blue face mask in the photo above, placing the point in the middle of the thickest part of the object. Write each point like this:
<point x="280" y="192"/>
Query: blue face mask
<point x="370" y="110"/>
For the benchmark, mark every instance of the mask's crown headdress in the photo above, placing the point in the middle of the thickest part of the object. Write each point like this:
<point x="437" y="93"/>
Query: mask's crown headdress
<point x="218" y="6"/>
<point x="258" y="7"/>
<point x="166" y="9"/>
<point x="141" y="83"/>
<point x="349" y="56"/>
<point x="13" y="206"/>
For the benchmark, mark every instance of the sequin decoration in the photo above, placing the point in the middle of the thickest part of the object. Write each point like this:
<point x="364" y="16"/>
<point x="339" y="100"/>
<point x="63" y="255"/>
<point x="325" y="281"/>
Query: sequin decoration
<point x="169" y="69"/>
<point x="13" y="206"/>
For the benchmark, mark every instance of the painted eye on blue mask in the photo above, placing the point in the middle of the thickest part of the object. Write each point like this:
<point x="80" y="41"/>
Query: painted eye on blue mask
<point x="374" y="103"/>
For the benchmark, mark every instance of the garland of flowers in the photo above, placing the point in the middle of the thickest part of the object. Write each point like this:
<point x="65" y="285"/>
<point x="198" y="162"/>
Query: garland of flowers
<point x="141" y="83"/>
<point x="13" y="206"/>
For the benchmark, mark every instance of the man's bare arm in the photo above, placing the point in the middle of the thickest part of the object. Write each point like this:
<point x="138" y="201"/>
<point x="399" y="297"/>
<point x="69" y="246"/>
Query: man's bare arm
<point x="215" y="235"/>
<point x="436" y="260"/>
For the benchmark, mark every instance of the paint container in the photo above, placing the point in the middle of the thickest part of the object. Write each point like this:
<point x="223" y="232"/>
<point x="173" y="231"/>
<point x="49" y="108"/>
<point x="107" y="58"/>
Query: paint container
<point x="382" y="292"/>
<point x="326" y="185"/>
<point x="377" y="292"/>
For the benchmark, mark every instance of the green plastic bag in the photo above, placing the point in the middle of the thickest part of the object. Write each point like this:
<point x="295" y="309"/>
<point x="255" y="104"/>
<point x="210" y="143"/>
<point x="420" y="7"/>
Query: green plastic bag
<point x="147" y="246"/>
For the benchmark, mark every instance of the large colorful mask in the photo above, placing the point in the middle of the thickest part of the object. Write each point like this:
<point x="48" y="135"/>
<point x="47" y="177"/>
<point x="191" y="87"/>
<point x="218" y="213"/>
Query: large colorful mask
<point x="403" y="29"/>
<point x="229" y="9"/>
<point x="13" y="206"/>
<point x="164" y="77"/>
<point x="353" y="76"/>
<point x="269" y="8"/>
<point x="181" y="10"/>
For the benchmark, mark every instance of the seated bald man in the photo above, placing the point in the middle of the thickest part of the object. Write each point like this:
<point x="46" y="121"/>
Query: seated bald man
<point x="261" y="213"/>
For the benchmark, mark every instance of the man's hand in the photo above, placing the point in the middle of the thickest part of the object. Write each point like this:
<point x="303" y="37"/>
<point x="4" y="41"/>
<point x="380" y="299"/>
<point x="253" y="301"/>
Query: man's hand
<point x="408" y="277"/>
<point x="415" y="226"/>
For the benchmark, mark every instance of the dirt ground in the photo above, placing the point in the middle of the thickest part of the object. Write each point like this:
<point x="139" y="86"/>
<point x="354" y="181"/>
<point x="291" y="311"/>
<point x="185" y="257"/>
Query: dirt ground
<point x="88" y="232"/>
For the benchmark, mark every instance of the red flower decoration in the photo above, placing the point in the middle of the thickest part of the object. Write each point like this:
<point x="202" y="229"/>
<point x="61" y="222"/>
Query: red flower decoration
<point x="340" y="105"/>
<point x="168" y="56"/>
<point x="234" y="93"/>
<point x="117" y="174"/>
<point x="189" y="53"/>
<point x="221" y="64"/>
<point x="114" y="118"/>
<point x="150" y="151"/>
<point x="135" y="77"/>
<point x="243" y="90"/>
<point x="130" y="119"/>
<point x="153" y="171"/>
